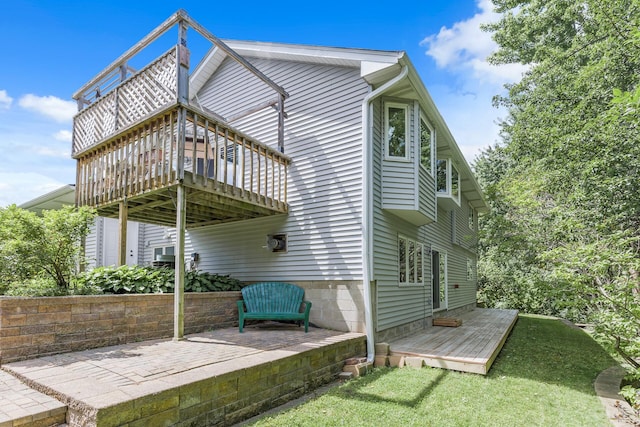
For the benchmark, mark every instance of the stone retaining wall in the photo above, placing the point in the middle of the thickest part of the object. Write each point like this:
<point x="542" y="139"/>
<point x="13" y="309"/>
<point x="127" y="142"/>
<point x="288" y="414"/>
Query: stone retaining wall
<point x="33" y="327"/>
<point x="228" y="397"/>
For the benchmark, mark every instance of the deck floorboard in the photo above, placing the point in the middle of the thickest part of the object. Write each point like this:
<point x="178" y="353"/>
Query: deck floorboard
<point x="471" y="347"/>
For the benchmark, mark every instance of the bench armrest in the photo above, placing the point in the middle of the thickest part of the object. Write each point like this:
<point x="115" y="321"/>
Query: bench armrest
<point x="307" y="307"/>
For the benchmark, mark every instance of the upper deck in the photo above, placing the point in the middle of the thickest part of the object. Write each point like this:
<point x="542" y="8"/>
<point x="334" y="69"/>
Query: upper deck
<point x="137" y="137"/>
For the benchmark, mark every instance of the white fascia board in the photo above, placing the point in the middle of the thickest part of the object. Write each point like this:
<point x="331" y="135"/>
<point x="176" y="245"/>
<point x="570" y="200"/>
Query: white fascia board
<point x="204" y="70"/>
<point x="314" y="54"/>
<point x="62" y="195"/>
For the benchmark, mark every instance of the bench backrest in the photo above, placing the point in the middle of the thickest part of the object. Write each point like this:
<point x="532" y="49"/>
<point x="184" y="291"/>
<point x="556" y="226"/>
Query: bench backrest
<point x="272" y="297"/>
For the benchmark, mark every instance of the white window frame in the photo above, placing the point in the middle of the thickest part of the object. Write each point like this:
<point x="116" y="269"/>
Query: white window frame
<point x="444" y="259"/>
<point x="449" y="181"/>
<point x="407" y="136"/>
<point x="432" y="162"/>
<point x="418" y="262"/>
<point x="163" y="248"/>
<point x="472" y="218"/>
<point x="470" y="272"/>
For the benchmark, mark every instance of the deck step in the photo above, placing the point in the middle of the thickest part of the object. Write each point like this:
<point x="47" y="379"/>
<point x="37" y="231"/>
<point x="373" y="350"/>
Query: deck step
<point x="452" y="322"/>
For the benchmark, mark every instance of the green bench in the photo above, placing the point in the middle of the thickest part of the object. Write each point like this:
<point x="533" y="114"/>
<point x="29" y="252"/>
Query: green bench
<point x="273" y="301"/>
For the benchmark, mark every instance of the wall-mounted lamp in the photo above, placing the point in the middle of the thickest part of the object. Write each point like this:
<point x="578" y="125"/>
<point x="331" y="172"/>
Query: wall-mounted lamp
<point x="277" y="242"/>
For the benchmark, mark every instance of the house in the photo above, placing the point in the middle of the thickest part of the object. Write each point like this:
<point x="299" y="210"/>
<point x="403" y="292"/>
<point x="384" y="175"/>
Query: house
<point x="326" y="167"/>
<point x="145" y="242"/>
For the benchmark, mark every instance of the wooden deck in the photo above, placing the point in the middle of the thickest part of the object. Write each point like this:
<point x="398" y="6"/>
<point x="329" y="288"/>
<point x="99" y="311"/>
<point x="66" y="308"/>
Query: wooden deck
<point x="471" y="347"/>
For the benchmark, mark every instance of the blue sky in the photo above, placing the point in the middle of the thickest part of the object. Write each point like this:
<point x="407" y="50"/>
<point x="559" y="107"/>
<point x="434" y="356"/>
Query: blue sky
<point x="52" y="47"/>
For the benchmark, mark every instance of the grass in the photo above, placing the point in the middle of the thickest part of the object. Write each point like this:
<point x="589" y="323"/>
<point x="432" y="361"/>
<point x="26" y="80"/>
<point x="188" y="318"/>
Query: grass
<point x="543" y="377"/>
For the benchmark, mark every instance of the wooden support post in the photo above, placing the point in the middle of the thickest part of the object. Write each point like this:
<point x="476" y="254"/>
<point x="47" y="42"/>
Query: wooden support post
<point x="183" y="65"/>
<point x="122" y="235"/>
<point x="178" y="296"/>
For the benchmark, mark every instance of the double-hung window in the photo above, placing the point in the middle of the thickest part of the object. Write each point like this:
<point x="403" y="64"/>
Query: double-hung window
<point x="410" y="263"/>
<point x="396" y="131"/>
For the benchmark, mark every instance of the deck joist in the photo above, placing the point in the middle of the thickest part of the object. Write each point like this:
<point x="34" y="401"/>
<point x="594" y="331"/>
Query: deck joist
<point x="208" y="203"/>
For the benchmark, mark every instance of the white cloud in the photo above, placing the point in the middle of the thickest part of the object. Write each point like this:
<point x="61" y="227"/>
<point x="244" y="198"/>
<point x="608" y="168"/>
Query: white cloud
<point x="51" y="106"/>
<point x="21" y="187"/>
<point x="465" y="46"/>
<point x="5" y="100"/>
<point x="461" y="50"/>
<point x="63" y="135"/>
<point x="63" y="153"/>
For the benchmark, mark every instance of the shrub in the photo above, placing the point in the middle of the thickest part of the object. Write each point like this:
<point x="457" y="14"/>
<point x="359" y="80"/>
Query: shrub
<point x="147" y="280"/>
<point x="36" y="246"/>
<point x="47" y="287"/>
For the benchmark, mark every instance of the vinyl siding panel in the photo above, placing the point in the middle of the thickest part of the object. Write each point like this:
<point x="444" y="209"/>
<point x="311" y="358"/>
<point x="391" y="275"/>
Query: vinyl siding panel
<point x="427" y="194"/>
<point x="398" y="177"/>
<point x="323" y="137"/>
<point x="92" y="250"/>
<point x="398" y="305"/>
<point x="395" y="305"/>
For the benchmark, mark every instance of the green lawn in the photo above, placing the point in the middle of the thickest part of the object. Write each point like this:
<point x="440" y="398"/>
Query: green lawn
<point x="543" y="377"/>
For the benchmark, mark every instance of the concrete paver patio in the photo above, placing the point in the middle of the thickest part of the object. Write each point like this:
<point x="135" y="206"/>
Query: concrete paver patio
<point x="110" y="386"/>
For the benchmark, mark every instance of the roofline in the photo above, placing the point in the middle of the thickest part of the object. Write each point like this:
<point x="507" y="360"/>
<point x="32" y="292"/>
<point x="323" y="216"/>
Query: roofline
<point x="298" y="51"/>
<point x="66" y="189"/>
<point x="371" y="63"/>
<point x="419" y="86"/>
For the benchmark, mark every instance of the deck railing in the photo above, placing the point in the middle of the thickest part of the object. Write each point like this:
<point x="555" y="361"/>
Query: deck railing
<point x="141" y="95"/>
<point x="182" y="144"/>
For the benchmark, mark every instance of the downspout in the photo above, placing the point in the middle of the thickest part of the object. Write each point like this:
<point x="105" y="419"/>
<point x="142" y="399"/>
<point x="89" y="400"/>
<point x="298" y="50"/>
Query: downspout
<point x="367" y="206"/>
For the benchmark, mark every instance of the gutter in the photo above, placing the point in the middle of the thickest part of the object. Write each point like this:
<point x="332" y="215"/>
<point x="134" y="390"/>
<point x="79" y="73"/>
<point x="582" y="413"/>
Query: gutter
<point x="367" y="206"/>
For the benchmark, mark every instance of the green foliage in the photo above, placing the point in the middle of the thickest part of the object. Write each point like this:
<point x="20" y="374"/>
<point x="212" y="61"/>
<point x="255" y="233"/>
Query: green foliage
<point x="148" y="280"/>
<point x="563" y="237"/>
<point x="33" y="247"/>
<point x="543" y="377"/>
<point x="201" y="281"/>
<point x="129" y="279"/>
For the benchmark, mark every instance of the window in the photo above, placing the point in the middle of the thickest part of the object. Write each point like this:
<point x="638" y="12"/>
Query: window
<point x="165" y="250"/>
<point x="427" y="138"/>
<point x="410" y="263"/>
<point x="455" y="183"/>
<point x="439" y="280"/>
<point x="396" y="131"/>
<point x="442" y="177"/>
<point x="448" y="180"/>
<point x="469" y="269"/>
<point x="472" y="218"/>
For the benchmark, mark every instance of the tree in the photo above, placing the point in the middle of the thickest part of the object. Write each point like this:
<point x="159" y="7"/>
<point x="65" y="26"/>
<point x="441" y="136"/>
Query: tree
<point x="33" y="246"/>
<point x="567" y="224"/>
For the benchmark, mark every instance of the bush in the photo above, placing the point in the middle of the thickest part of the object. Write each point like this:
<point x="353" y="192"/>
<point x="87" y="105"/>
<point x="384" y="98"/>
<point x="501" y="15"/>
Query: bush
<point x="47" y="287"/>
<point x="148" y="280"/>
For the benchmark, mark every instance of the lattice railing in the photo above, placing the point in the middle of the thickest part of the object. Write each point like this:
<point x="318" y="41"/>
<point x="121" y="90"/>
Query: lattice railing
<point x="137" y="98"/>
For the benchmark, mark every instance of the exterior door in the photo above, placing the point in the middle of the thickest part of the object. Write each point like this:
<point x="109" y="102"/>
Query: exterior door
<point x="110" y="242"/>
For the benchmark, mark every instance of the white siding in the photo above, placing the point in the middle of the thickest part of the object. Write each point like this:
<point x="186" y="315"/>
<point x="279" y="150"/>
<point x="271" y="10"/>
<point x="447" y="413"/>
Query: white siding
<point x="398" y="305"/>
<point x="92" y="250"/>
<point x="395" y="305"/>
<point x="323" y="137"/>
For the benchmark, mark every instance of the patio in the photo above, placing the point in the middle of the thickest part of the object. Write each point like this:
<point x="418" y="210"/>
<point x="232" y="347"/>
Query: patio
<point x="471" y="347"/>
<point x="218" y="377"/>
